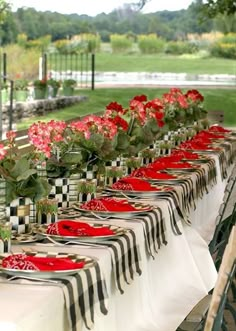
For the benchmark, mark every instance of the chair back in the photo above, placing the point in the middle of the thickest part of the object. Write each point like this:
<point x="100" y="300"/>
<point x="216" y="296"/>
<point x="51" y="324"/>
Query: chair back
<point x="225" y="276"/>
<point x="224" y="222"/>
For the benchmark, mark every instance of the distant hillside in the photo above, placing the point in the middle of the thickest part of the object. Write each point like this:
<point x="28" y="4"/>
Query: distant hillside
<point x="170" y="25"/>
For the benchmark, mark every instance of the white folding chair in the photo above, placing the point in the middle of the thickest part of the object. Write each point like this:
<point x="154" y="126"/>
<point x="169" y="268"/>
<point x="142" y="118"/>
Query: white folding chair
<point x="208" y="314"/>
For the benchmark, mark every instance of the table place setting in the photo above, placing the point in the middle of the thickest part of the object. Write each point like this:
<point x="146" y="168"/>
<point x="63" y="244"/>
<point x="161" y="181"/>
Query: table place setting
<point x="79" y="277"/>
<point x="121" y="243"/>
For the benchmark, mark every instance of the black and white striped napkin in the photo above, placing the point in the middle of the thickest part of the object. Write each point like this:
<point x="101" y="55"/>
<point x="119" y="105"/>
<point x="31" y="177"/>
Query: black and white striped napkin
<point x="154" y="230"/>
<point x="125" y="258"/>
<point x="83" y="291"/>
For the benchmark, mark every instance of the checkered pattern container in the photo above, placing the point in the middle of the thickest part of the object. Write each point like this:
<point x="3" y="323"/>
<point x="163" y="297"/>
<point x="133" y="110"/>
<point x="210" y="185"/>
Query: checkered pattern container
<point x="74" y="180"/>
<point x="86" y="190"/>
<point x="18" y="213"/>
<point x="90" y="172"/>
<point x="60" y="191"/>
<point x="48" y="218"/>
<point x="118" y="162"/>
<point x="84" y="197"/>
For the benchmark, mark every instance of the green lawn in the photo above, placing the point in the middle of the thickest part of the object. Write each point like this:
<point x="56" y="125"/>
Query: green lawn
<point x="190" y="64"/>
<point x="218" y="99"/>
<point x="163" y="63"/>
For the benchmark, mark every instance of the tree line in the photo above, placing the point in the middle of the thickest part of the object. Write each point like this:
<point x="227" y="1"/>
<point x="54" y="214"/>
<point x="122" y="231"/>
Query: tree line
<point x="170" y="25"/>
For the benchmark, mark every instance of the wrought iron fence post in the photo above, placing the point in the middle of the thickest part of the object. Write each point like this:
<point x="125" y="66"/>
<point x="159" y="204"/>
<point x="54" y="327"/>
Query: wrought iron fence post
<point x="10" y="112"/>
<point x="4" y="67"/>
<point x="93" y="72"/>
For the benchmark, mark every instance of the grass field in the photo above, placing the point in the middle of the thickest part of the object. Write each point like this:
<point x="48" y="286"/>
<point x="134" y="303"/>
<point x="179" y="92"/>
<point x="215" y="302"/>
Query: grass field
<point x="190" y="64"/>
<point x="163" y="63"/>
<point x="224" y="99"/>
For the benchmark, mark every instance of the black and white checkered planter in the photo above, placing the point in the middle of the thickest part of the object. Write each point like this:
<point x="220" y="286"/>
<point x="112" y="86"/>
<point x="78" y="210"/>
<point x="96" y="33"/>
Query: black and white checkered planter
<point x="48" y="218"/>
<point x="60" y="191"/>
<point x="86" y="190"/>
<point x="19" y="214"/>
<point x="5" y="237"/>
<point x="113" y="174"/>
<point x="46" y="211"/>
<point x="90" y="172"/>
<point x="74" y="181"/>
<point x="118" y="162"/>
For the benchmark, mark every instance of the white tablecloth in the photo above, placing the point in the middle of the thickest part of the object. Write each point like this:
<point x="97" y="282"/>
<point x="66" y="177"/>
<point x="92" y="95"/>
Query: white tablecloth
<point x="158" y="300"/>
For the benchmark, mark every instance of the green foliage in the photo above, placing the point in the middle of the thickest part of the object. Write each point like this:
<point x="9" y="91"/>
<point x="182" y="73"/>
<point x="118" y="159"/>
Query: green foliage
<point x="225" y="47"/>
<point x="211" y="8"/>
<point x="26" y="66"/>
<point x="180" y="47"/>
<point x="40" y="84"/>
<point x="21" y="84"/>
<point x="150" y="44"/>
<point x="120" y="43"/>
<point x="69" y="83"/>
<point x="54" y="83"/>
<point x="22" y="180"/>
<point x="22" y="39"/>
<point x="224" y="50"/>
<point x="170" y="25"/>
<point x="83" y="43"/>
<point x="4" y="10"/>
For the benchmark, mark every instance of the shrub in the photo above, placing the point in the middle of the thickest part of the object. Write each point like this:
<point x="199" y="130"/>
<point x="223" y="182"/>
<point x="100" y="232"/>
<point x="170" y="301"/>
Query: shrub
<point x="150" y="44"/>
<point x="120" y="43"/>
<point x="181" y="47"/>
<point x="224" y="50"/>
<point x="225" y="47"/>
<point x="22" y="68"/>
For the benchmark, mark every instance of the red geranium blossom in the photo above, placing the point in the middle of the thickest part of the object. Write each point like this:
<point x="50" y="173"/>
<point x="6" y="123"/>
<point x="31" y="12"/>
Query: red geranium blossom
<point x="194" y="95"/>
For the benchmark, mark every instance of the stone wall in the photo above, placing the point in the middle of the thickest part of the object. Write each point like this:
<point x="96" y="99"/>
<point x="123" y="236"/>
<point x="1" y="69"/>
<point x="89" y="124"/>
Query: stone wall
<point x="33" y="108"/>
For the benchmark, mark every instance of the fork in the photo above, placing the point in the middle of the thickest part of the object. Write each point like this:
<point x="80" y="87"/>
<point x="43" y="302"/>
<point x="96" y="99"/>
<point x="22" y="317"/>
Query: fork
<point x="79" y="243"/>
<point x="33" y="279"/>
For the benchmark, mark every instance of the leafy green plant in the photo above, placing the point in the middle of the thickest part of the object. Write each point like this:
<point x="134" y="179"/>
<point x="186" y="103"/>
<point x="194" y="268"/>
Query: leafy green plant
<point x="20" y="173"/>
<point x="69" y="83"/>
<point x="21" y="84"/>
<point x="40" y="83"/>
<point x="4" y="85"/>
<point x="54" y="83"/>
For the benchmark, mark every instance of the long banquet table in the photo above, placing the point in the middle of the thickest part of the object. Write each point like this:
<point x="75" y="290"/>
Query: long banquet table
<point x="172" y="282"/>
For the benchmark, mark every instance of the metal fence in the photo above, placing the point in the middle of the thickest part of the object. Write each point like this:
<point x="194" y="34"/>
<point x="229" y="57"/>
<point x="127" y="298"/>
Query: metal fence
<point x="79" y="67"/>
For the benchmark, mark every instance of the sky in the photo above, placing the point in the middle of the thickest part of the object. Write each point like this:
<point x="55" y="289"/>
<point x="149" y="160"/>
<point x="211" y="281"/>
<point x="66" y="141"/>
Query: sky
<point x="94" y="7"/>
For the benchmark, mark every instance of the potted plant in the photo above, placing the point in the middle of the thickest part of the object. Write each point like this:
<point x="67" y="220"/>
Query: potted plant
<point x="40" y="88"/>
<point x="54" y="85"/>
<point x="20" y="89"/>
<point x="68" y="86"/>
<point x="23" y="186"/>
<point x="52" y="142"/>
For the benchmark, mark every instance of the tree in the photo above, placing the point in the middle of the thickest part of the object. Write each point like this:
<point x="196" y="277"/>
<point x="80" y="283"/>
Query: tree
<point x="5" y="8"/>
<point x="214" y="7"/>
<point x="138" y="5"/>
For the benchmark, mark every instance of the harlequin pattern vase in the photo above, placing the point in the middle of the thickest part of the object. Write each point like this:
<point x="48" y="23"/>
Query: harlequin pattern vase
<point x="86" y="190"/>
<point x="46" y="211"/>
<point x="60" y="191"/>
<point x="19" y="214"/>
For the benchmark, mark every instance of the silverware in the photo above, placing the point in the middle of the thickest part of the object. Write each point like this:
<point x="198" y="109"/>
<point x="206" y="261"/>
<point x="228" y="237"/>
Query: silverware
<point x="33" y="279"/>
<point x="78" y="243"/>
